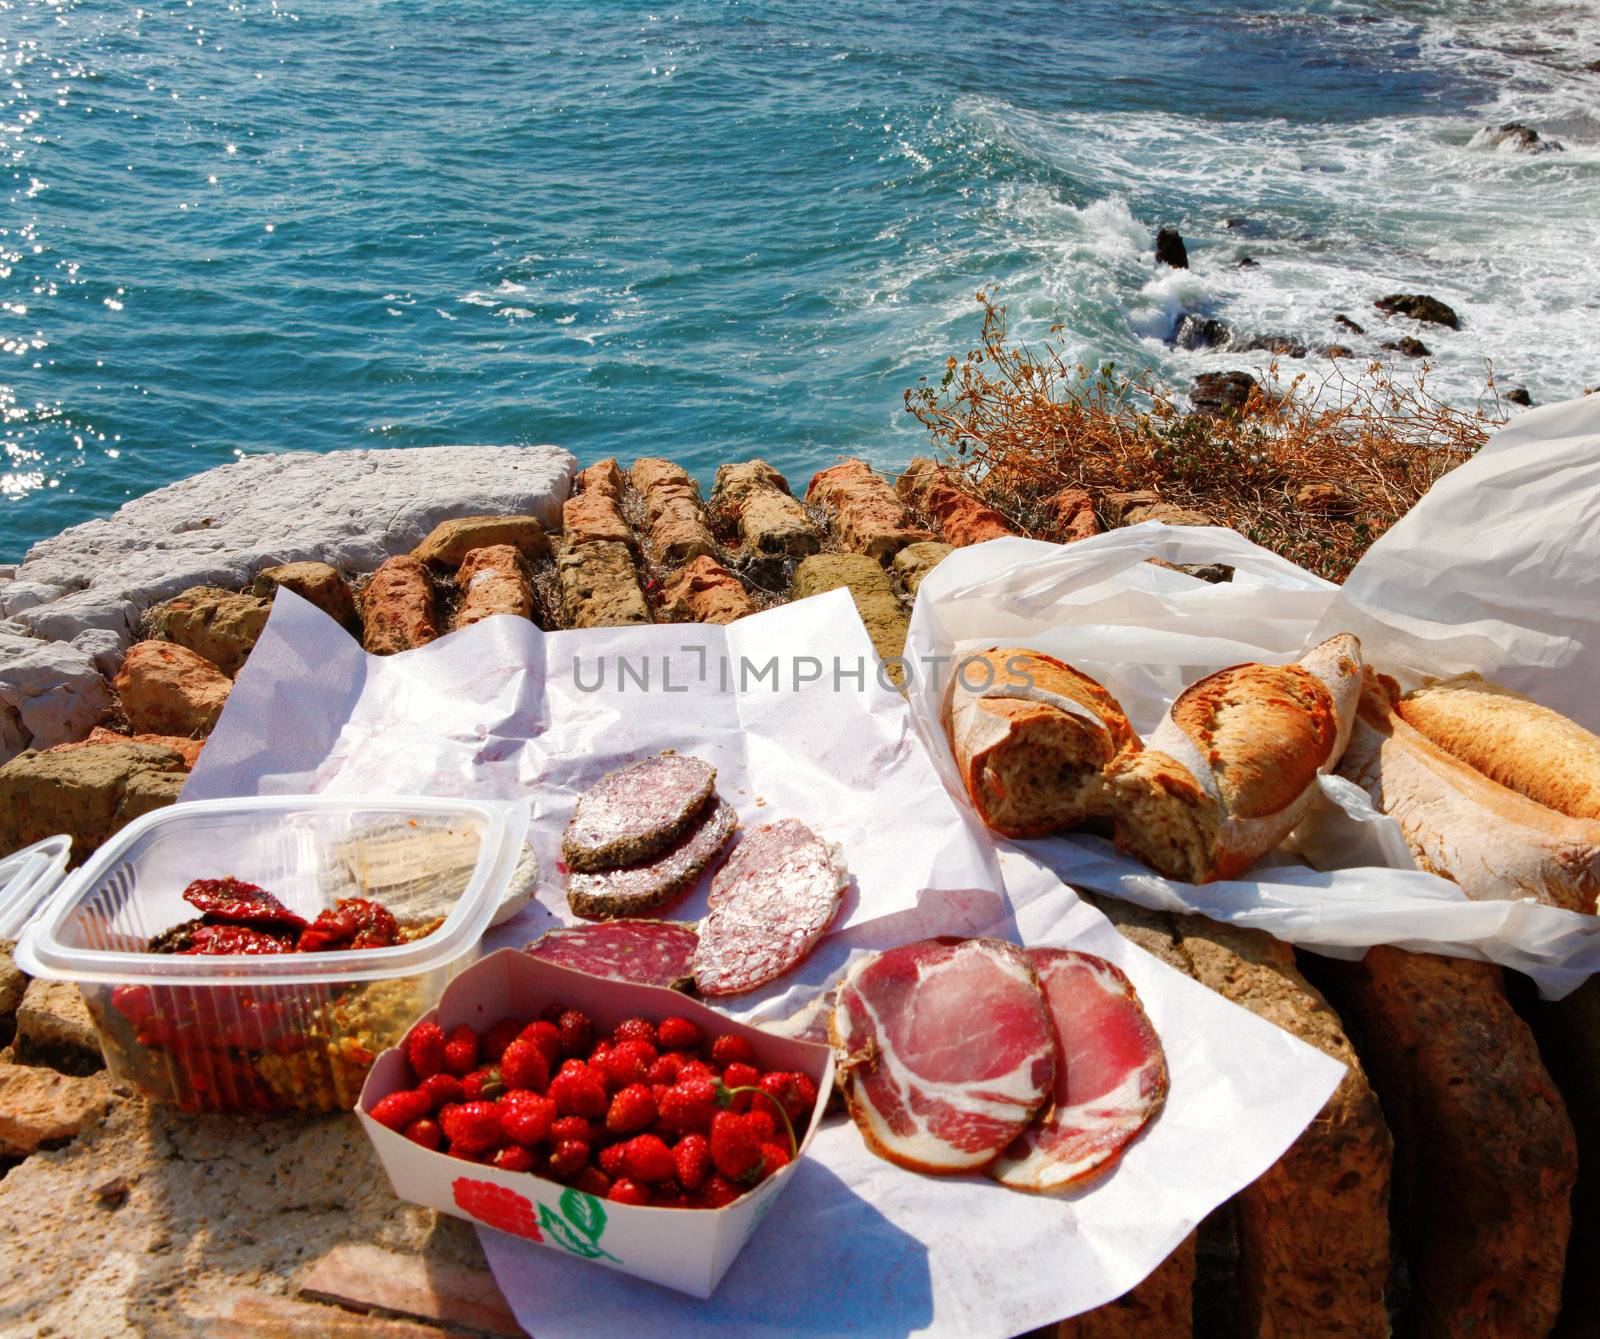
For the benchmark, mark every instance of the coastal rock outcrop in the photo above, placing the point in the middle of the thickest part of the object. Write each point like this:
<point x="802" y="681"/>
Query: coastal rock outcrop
<point x="1170" y="249"/>
<point x="1072" y="515"/>
<point x="167" y="689"/>
<point x="1419" y="307"/>
<point x="1514" y="137"/>
<point x="1408" y="346"/>
<point x="89" y="793"/>
<point x="1200" y="332"/>
<point x="50" y="692"/>
<point x="316" y="582"/>
<point x="218" y="624"/>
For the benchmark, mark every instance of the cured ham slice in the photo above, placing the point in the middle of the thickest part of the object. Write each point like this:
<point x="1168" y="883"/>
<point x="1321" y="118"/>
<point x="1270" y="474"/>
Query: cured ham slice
<point x="770" y="904"/>
<point x="948" y="1051"/>
<point x="634" y="890"/>
<point x="647" y="953"/>
<point x="637" y="811"/>
<point x="1110" y="1078"/>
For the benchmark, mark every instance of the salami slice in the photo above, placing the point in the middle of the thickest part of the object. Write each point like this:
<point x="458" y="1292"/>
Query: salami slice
<point x="634" y="890"/>
<point x="947" y="1051"/>
<point x="637" y="811"/>
<point x="1111" y="1075"/>
<point x="647" y="953"/>
<point x="770" y="904"/>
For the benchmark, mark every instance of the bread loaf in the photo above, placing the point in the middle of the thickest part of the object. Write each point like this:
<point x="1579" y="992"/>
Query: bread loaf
<point x="1510" y="739"/>
<point x="1032" y="738"/>
<point x="1494" y="841"/>
<point x="1233" y="767"/>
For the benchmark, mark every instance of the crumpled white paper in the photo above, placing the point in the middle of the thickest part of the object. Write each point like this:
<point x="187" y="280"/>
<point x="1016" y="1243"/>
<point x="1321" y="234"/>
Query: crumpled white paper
<point x="1497" y="569"/>
<point x="856" y="1244"/>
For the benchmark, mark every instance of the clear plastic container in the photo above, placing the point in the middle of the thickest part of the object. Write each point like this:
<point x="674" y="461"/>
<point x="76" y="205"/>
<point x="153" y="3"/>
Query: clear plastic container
<point x="283" y="1030"/>
<point x="27" y="878"/>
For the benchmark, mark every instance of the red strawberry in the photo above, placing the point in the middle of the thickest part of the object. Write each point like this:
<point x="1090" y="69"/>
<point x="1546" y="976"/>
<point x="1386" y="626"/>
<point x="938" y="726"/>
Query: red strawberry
<point x="513" y="1158"/>
<point x="668" y="1196"/>
<point x="692" y="1158"/>
<point x="593" y="1181"/>
<point x="761" y="1124"/>
<point x="794" y="1092"/>
<point x="678" y="1034"/>
<point x="689" y="1104"/>
<point x="398" y="1110"/>
<point x="568" y="1158"/>
<point x="727" y="1049"/>
<point x="425" y="1132"/>
<point x="498" y="1207"/>
<point x="741" y="1075"/>
<point x="482" y="1085"/>
<point x="773" y="1158"/>
<point x="633" y="1108"/>
<point x="424" y="1048"/>
<point x="698" y="1069"/>
<point x="627" y="1062"/>
<point x="577" y="1032"/>
<point x="636" y="1029"/>
<point x="624" y="1191"/>
<point x="497" y="1038"/>
<point x="547" y="1037"/>
<point x="572" y="1127"/>
<point x="461" y="1050"/>
<point x="522" y="1065"/>
<point x="734" y="1147"/>
<point x="610" y="1159"/>
<point x="443" y="1090"/>
<point x="647" y="1158"/>
<point x="526" y="1117"/>
<point x="578" y="1092"/>
<point x="719" y="1191"/>
<point x="666" y="1068"/>
<point x="472" y="1127"/>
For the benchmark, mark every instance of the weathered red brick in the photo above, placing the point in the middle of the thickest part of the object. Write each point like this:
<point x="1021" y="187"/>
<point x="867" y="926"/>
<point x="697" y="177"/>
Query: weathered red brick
<point x="397" y="607"/>
<point x="706" y="592"/>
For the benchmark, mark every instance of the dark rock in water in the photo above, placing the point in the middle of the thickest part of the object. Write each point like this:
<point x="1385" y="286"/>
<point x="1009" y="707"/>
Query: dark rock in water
<point x="1200" y="332"/>
<point x="1514" y="137"/>
<point x="1411" y="348"/>
<point x="1246" y="262"/>
<point x="1242" y="227"/>
<point x="1593" y="67"/>
<point x="1170" y="249"/>
<point x="1337" y="351"/>
<point x="1348" y="324"/>
<point x="1519" y="395"/>
<point x="1221" y="392"/>
<point x="1279" y="344"/>
<point x="1419" y="307"/>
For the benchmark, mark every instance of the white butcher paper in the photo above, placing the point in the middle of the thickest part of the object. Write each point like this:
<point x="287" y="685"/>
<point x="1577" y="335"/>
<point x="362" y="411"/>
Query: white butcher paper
<point x="498" y="711"/>
<point x="1496" y="569"/>
<point x="858" y="1246"/>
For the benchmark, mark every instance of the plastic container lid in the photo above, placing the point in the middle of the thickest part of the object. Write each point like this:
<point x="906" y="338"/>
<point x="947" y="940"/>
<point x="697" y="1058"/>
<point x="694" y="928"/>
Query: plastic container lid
<point x="27" y="877"/>
<point x="449" y="857"/>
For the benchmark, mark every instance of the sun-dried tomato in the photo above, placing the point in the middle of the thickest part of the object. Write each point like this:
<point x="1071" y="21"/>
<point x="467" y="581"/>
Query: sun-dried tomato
<point x="236" y="939"/>
<point x="239" y="903"/>
<point x="352" y="922"/>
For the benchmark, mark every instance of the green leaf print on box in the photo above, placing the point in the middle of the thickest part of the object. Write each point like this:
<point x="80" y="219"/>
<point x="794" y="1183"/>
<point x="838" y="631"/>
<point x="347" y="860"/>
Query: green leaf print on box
<point x="579" y="1227"/>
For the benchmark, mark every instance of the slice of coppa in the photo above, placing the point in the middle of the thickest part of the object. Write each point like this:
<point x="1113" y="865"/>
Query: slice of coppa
<point x="947" y="1051"/>
<point x="647" y="953"/>
<point x="635" y="890"/>
<point x="636" y="812"/>
<point x="770" y="904"/>
<point x="1111" y="1075"/>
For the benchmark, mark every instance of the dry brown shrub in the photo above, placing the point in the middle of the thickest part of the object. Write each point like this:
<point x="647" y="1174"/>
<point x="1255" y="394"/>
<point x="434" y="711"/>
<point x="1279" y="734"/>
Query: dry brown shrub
<point x="1357" y="443"/>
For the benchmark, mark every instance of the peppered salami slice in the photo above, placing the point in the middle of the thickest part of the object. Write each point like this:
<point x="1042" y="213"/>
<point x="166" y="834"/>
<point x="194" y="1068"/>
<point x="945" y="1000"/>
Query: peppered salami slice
<point x="647" y="953"/>
<point x="635" y="890"/>
<point x="637" y="811"/>
<point x="770" y="904"/>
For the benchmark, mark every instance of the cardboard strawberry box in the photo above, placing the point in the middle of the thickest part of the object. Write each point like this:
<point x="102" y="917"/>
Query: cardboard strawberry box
<point x="686" y="1249"/>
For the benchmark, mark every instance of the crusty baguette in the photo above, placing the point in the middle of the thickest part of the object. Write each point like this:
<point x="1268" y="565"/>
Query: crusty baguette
<point x="1232" y="768"/>
<point x="1493" y="841"/>
<point x="1032" y="738"/>
<point x="1510" y="739"/>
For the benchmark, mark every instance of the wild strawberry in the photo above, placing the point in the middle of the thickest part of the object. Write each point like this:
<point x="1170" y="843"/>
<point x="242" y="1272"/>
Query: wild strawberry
<point x="568" y="1158"/>
<point x="497" y="1038"/>
<point x="577" y="1032"/>
<point x="482" y="1085"/>
<point x="728" y="1049"/>
<point x="578" y="1092"/>
<point x="692" y="1158"/>
<point x="472" y="1127"/>
<point x="513" y="1158"/>
<point x="636" y="1029"/>
<point x="632" y="1109"/>
<point x="526" y="1117"/>
<point x="741" y="1075"/>
<point x="666" y="1068"/>
<point x="398" y="1110"/>
<point x="424" y="1048"/>
<point x="761" y="1124"/>
<point x="793" y="1091"/>
<point x="425" y="1132"/>
<point x="647" y="1158"/>
<point x="593" y="1181"/>
<point x="734" y="1147"/>
<point x="443" y="1090"/>
<point x="689" y="1105"/>
<point x="698" y="1069"/>
<point x="461" y="1050"/>
<point x="719" y="1191"/>
<point x="627" y="1062"/>
<point x="551" y="1013"/>
<point x="625" y="1191"/>
<point x="668" y="1195"/>
<point x="678" y="1034"/>
<point x="547" y="1037"/>
<point x="522" y="1065"/>
<point x="773" y="1157"/>
<point x="610" y="1159"/>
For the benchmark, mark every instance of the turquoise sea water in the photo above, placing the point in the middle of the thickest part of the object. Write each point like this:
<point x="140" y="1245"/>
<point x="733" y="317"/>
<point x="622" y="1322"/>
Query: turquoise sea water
<point x="717" y="229"/>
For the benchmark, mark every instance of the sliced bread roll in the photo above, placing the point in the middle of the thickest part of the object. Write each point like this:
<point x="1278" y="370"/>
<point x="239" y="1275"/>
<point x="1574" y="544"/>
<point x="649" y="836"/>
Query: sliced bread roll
<point x="1510" y="739"/>
<point x="1496" y="842"/>
<point x="1233" y="767"/>
<point x="1032" y="738"/>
